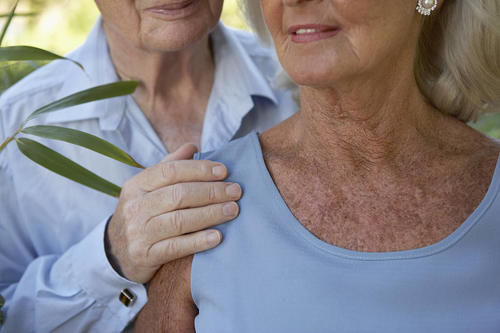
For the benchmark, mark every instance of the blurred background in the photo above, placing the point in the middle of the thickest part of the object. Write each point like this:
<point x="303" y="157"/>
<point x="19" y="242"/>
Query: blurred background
<point x="62" y="25"/>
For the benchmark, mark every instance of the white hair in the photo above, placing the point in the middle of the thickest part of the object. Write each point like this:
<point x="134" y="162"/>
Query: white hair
<point x="457" y="65"/>
<point x="253" y="14"/>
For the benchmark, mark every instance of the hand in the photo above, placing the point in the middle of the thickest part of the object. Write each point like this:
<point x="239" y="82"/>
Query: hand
<point x="162" y="209"/>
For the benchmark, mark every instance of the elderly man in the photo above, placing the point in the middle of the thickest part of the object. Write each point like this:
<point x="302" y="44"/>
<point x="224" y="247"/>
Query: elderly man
<point x="65" y="265"/>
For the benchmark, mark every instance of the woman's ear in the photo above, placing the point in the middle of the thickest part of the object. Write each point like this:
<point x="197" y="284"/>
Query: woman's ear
<point x="427" y="7"/>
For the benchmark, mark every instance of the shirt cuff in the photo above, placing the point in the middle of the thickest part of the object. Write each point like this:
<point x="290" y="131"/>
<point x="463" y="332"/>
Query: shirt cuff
<point x="100" y="281"/>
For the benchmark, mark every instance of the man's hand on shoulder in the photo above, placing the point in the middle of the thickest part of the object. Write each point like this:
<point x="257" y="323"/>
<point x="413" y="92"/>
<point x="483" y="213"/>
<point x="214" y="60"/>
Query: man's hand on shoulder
<point x="162" y="210"/>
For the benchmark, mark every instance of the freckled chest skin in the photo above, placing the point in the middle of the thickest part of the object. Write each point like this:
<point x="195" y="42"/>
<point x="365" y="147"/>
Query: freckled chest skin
<point x="373" y="211"/>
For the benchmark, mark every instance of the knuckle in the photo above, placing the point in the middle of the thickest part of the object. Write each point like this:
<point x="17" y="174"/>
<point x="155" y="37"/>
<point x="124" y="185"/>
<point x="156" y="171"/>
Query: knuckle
<point x="129" y="231"/>
<point x="136" y="253"/>
<point x="200" y="242"/>
<point x="214" y="212"/>
<point x="175" y="195"/>
<point x="131" y="209"/>
<point x="210" y="213"/>
<point x="217" y="212"/>
<point x="127" y="188"/>
<point x="177" y="222"/>
<point x="133" y="235"/>
<point x="206" y="168"/>
<point x="212" y="193"/>
<point x="172" y="248"/>
<point x="169" y="171"/>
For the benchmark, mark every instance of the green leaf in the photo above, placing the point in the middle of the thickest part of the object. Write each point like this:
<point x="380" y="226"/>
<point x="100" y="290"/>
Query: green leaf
<point x="19" y="14"/>
<point x="10" y="74"/>
<point x="19" y="53"/>
<point x="65" y="167"/>
<point x="90" y="95"/>
<point x="7" y="24"/>
<point x="84" y="140"/>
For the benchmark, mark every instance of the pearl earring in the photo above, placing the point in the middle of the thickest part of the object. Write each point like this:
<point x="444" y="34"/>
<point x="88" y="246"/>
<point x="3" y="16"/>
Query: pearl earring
<point x="425" y="7"/>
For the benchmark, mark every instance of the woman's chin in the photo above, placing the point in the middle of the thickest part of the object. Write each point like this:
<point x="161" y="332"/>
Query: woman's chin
<point x="318" y="72"/>
<point x="313" y="80"/>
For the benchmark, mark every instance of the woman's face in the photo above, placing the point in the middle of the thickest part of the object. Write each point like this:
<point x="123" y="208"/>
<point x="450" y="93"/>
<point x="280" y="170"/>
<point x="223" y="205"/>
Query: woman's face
<point x="320" y="42"/>
<point x="161" y="25"/>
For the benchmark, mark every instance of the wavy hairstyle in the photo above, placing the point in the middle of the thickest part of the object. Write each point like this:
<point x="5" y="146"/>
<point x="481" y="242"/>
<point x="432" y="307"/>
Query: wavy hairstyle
<point x="457" y="66"/>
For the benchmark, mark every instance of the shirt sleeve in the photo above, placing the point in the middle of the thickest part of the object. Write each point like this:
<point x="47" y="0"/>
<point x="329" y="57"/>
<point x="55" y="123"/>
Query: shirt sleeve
<point x="76" y="291"/>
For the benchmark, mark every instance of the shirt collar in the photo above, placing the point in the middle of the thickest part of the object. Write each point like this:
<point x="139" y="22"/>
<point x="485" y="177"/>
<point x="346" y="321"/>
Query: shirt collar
<point x="99" y="70"/>
<point x="237" y="77"/>
<point x="238" y="80"/>
<point x="236" y="73"/>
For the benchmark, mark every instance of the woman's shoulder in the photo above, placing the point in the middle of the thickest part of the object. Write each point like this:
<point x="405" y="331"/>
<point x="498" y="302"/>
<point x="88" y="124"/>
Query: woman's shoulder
<point x="495" y="144"/>
<point x="477" y="169"/>
<point x="488" y="150"/>
<point x="232" y="151"/>
<point x="467" y="144"/>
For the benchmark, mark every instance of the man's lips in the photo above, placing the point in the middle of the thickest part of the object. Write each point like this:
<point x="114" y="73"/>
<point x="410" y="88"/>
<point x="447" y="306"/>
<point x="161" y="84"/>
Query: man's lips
<point x="172" y="8"/>
<point x="306" y="33"/>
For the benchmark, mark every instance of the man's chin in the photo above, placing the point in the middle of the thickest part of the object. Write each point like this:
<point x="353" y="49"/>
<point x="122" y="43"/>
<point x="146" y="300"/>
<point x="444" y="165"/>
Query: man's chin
<point x="173" y="38"/>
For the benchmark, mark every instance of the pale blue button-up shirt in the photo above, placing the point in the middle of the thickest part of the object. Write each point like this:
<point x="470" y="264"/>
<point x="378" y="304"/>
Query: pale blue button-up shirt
<point x="54" y="272"/>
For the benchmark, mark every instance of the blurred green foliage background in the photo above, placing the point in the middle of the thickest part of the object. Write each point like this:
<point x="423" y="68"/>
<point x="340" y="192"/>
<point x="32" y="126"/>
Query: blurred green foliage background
<point x="62" y="25"/>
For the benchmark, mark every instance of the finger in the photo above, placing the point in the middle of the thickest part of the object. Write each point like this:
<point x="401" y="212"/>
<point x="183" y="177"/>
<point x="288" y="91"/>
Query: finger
<point x="185" y="152"/>
<point x="173" y="172"/>
<point x="189" y="195"/>
<point x="179" y="247"/>
<point x="186" y="221"/>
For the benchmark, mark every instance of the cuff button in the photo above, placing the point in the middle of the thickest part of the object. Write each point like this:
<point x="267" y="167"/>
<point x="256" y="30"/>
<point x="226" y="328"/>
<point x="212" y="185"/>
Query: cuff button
<point x="127" y="297"/>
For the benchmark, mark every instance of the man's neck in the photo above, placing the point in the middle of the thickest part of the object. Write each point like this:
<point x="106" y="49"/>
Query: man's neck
<point x="177" y="78"/>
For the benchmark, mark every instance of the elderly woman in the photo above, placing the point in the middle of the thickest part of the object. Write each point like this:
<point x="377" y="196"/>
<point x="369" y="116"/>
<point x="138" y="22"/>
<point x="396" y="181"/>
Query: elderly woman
<point x="200" y="82"/>
<point x="375" y="208"/>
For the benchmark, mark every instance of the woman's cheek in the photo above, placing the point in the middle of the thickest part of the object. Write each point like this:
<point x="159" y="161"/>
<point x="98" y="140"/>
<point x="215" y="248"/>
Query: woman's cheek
<point x="272" y="12"/>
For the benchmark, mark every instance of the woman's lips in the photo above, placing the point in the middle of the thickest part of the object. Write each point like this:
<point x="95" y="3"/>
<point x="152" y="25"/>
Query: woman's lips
<point x="174" y="9"/>
<point x="311" y="32"/>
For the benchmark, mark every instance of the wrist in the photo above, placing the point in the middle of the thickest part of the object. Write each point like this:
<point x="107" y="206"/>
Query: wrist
<point x="112" y="259"/>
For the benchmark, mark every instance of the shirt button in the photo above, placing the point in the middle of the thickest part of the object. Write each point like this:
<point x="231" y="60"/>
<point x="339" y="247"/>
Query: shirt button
<point x="127" y="297"/>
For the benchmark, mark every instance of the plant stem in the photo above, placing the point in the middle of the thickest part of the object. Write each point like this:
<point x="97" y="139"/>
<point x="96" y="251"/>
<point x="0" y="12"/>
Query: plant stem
<point x="6" y="142"/>
<point x="9" y="139"/>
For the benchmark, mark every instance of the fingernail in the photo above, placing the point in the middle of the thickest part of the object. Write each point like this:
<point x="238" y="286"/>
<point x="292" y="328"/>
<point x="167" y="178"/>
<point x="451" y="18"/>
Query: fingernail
<point x="234" y="191"/>
<point x="230" y="209"/>
<point x="219" y="171"/>
<point x="213" y="238"/>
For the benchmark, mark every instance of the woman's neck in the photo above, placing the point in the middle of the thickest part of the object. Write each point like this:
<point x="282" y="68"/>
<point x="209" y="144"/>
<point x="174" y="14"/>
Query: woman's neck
<point x="368" y="125"/>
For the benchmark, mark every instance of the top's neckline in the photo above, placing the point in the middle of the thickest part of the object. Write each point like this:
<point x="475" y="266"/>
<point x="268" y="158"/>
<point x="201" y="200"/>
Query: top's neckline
<point x="440" y="246"/>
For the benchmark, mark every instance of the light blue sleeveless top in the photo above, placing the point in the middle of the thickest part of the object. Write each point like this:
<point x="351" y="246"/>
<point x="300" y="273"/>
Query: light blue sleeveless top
<point x="271" y="274"/>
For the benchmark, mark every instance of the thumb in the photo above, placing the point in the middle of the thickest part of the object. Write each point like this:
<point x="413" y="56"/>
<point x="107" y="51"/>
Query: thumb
<point x="184" y="152"/>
